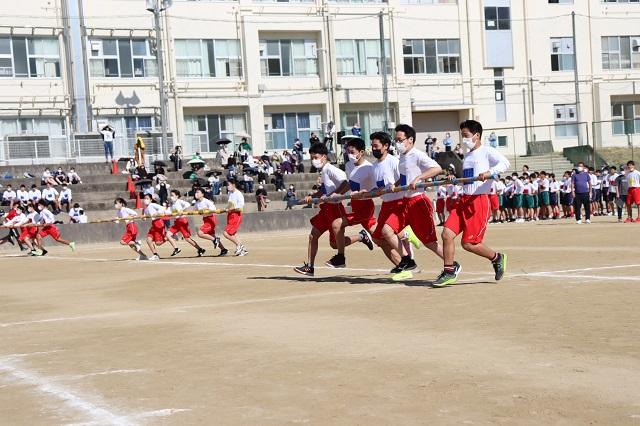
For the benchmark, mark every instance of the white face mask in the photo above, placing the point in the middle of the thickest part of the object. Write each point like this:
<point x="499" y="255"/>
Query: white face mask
<point x="317" y="163"/>
<point x="174" y="199"/>
<point x="400" y="147"/>
<point x="147" y="202"/>
<point x="580" y="168"/>
<point x="469" y="143"/>
<point x="353" y="158"/>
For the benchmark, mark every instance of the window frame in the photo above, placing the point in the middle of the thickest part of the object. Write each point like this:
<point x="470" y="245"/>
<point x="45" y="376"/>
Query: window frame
<point x="29" y="56"/>
<point x="567" y="125"/>
<point x="431" y="56"/>
<point x="560" y="55"/>
<point x="205" y="72"/>
<point x="292" y="60"/>
<point x="361" y="68"/>
<point x="149" y="61"/>
<point x="619" y="54"/>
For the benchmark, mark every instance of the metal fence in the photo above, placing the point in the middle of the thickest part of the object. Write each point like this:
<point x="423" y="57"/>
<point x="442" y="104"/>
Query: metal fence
<point x="616" y="141"/>
<point x="63" y="149"/>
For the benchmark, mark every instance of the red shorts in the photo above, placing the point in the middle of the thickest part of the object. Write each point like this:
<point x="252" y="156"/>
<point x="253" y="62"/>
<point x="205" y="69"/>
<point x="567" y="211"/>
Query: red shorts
<point x="362" y="212"/>
<point x="181" y="225"/>
<point x="391" y="213"/>
<point x="470" y="217"/>
<point x="157" y="232"/>
<point x="208" y="225"/>
<point x="495" y="202"/>
<point x="130" y="233"/>
<point x="50" y="230"/>
<point x="30" y="232"/>
<point x="451" y="204"/>
<point x="440" y="204"/>
<point x="328" y="213"/>
<point x="234" y="219"/>
<point x="418" y="214"/>
<point x="633" y="196"/>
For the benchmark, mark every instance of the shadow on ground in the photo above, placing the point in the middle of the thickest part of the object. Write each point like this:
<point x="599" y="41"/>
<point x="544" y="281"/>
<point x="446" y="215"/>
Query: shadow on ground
<point x="360" y="280"/>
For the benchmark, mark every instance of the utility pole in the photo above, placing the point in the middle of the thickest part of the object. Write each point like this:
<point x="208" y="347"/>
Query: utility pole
<point x="158" y="7"/>
<point x="575" y="77"/>
<point x="385" y="88"/>
<point x="524" y="113"/>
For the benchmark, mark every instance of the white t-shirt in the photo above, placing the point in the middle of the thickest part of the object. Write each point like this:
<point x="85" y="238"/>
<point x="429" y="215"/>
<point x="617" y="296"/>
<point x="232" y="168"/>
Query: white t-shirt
<point x="46" y="174"/>
<point x="9" y="195"/>
<point x="73" y="176"/>
<point x="554" y="186"/>
<point x="605" y="180"/>
<point x="107" y="135"/>
<point x="453" y="191"/>
<point x="481" y="160"/>
<point x="361" y="177"/>
<point x="49" y="194"/>
<point x="387" y="173"/>
<point x="634" y="179"/>
<point x="65" y="194"/>
<point x="518" y="186"/>
<point x="331" y="178"/>
<point x="595" y="181"/>
<point x="442" y="192"/>
<point x="204" y="204"/>
<point x="543" y="185"/>
<point x="32" y="217"/>
<point x="236" y="199"/>
<point x="535" y="186"/>
<point x="23" y="196"/>
<point x="500" y="187"/>
<point x="154" y="209"/>
<point x="45" y="216"/>
<point x="613" y="185"/>
<point x="413" y="164"/>
<point x="74" y="213"/>
<point x="179" y="206"/>
<point x="125" y="213"/>
<point x="527" y="188"/>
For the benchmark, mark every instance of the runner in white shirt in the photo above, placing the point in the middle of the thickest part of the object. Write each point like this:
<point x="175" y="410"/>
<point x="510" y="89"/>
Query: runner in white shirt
<point x="333" y="181"/>
<point x="157" y="234"/>
<point x="472" y="213"/>
<point x="415" y="167"/>
<point x="235" y="204"/>
<point x="181" y="223"/>
<point x="129" y="238"/>
<point x="14" y="218"/>
<point x="362" y="179"/>
<point x="46" y="218"/>
<point x="208" y="229"/>
<point x="633" y="194"/>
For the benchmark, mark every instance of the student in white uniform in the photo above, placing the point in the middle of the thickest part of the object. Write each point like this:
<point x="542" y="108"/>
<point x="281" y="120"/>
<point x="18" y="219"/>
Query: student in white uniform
<point x="22" y="195"/>
<point x="129" y="238"/>
<point x="181" y="223"/>
<point x="65" y="198"/>
<point x="157" y="234"/>
<point x="207" y="230"/>
<point x="234" y="218"/>
<point x="46" y="218"/>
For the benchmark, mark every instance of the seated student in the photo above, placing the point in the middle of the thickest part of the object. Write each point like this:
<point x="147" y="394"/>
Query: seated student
<point x="47" y="177"/>
<point x="22" y="195"/>
<point x="73" y="177"/>
<point x="60" y="176"/>
<point x="75" y="213"/>
<point x="65" y="197"/>
<point x="8" y="196"/>
<point x="50" y="197"/>
<point x="34" y="194"/>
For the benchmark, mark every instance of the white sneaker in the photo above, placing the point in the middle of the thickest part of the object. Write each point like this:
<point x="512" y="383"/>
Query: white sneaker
<point x="588" y="221"/>
<point x="239" y="250"/>
<point x="154" y="257"/>
<point x="242" y="253"/>
<point x="138" y="245"/>
<point x="579" y="222"/>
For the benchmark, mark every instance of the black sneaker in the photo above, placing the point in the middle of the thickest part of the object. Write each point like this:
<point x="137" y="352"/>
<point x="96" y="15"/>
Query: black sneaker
<point x="305" y="269"/>
<point x="9" y="239"/>
<point x="457" y="269"/>
<point x="410" y="265"/>
<point x="201" y="251"/>
<point x="44" y="252"/>
<point x="223" y="252"/>
<point x="366" y="239"/>
<point x="397" y="269"/>
<point x="337" y="261"/>
<point x="406" y="264"/>
<point x="216" y="242"/>
<point x="500" y="266"/>
<point x="175" y="251"/>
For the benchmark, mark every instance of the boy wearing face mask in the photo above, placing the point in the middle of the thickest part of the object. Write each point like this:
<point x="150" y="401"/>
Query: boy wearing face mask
<point x="472" y="213"/>
<point x="46" y="218"/>
<point x="581" y="191"/>
<point x="415" y="167"/>
<point x="361" y="180"/>
<point x="334" y="181"/>
<point x="157" y="234"/>
<point x="181" y="224"/>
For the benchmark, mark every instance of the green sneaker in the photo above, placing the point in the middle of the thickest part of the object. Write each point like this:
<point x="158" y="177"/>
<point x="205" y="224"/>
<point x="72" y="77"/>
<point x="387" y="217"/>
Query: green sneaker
<point x="500" y="266"/>
<point x="72" y="246"/>
<point x="445" y="279"/>
<point x="402" y="276"/>
<point x="411" y="237"/>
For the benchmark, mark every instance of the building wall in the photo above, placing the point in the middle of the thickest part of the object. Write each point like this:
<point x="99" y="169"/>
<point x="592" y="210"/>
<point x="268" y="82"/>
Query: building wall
<point x="422" y="99"/>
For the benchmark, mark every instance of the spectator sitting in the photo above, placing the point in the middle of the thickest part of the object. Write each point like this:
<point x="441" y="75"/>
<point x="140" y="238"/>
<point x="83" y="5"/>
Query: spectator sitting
<point x="248" y="183"/>
<point x="176" y="158"/>
<point x="60" y="176"/>
<point x="22" y="195"/>
<point x="231" y="172"/>
<point x="50" y="197"/>
<point x="263" y="172"/>
<point x="73" y="177"/>
<point x="287" y="164"/>
<point x="47" y="177"/>
<point x="34" y="194"/>
<point x="278" y="180"/>
<point x="276" y="160"/>
<point x="147" y="188"/>
<point x="214" y="181"/>
<point x="313" y="139"/>
<point x="290" y="197"/>
<point x="261" y="198"/>
<point x="65" y="197"/>
<point x="250" y="165"/>
<point x="8" y="197"/>
<point x="76" y="214"/>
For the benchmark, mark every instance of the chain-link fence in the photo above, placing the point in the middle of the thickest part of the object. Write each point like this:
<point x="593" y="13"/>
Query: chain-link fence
<point x="616" y="141"/>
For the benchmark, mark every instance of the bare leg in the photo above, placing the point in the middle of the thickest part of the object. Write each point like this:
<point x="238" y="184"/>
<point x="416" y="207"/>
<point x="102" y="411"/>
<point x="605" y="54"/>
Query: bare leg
<point x="448" y="246"/>
<point x="152" y="245"/>
<point x="313" y="245"/>
<point x="61" y="241"/>
<point x="480" y="250"/>
<point x="338" y="226"/>
<point x="233" y="238"/>
<point x="437" y="248"/>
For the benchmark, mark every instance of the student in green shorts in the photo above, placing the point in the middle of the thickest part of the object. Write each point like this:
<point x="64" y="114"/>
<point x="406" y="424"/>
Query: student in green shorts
<point x="518" y="188"/>
<point x="544" y="186"/>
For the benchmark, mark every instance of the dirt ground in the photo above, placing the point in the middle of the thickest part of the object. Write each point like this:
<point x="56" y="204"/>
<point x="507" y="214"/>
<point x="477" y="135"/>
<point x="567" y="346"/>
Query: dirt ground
<point x="95" y="338"/>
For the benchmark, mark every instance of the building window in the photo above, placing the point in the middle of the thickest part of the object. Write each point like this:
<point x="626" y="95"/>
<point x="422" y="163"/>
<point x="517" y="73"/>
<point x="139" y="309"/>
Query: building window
<point x="203" y="131"/>
<point x="562" y="54"/>
<point x="54" y="127"/>
<point x="560" y="1"/>
<point x="565" y="114"/>
<point x="369" y="120"/>
<point x="497" y="18"/>
<point x="626" y="116"/>
<point x="621" y="1"/>
<point x="431" y="56"/>
<point x="119" y="57"/>
<point x="498" y="84"/>
<point x="620" y="52"/>
<point x="288" y="58"/>
<point x="357" y="1"/>
<point x="29" y="57"/>
<point x="282" y="129"/>
<point x="428" y="1"/>
<point x="502" y="141"/>
<point x="208" y="58"/>
<point x="361" y="57"/>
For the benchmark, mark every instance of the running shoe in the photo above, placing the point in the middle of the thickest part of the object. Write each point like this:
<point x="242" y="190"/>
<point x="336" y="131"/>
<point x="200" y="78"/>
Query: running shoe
<point x="43" y="252"/>
<point x="402" y="276"/>
<point x="216" y="242"/>
<point x="137" y="245"/>
<point x="201" y="251"/>
<point x="457" y="269"/>
<point x="242" y="252"/>
<point x="175" y="251"/>
<point x="9" y="239"/>
<point x="628" y="220"/>
<point x="337" y="261"/>
<point x="142" y="257"/>
<point x="406" y="264"/>
<point x="366" y="239"/>
<point x="154" y="257"/>
<point x="445" y="278"/>
<point x="411" y="237"/>
<point x="305" y="269"/>
<point x="72" y="246"/>
<point x="500" y="266"/>
<point x="588" y="221"/>
<point x="223" y="252"/>
<point x="35" y="253"/>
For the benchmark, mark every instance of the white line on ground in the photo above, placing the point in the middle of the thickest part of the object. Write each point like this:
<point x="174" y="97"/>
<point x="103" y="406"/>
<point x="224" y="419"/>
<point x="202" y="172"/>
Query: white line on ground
<point x="597" y="268"/>
<point x="591" y="277"/>
<point x="101" y="373"/>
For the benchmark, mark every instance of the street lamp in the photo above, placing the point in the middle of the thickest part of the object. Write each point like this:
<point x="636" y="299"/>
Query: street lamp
<point x="156" y="7"/>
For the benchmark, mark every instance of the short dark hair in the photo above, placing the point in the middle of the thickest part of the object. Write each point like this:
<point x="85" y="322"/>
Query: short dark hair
<point x="198" y="189"/>
<point x="319" y="148"/>
<point x="409" y="131"/>
<point x="121" y="201"/>
<point x="631" y="163"/>
<point x="612" y="168"/>
<point x="76" y="205"/>
<point x="232" y="181"/>
<point x="357" y="143"/>
<point x="472" y="125"/>
<point x="148" y="195"/>
<point x="19" y="207"/>
<point x="42" y="203"/>
<point x="383" y="137"/>
<point x="175" y="192"/>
